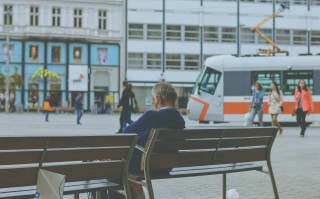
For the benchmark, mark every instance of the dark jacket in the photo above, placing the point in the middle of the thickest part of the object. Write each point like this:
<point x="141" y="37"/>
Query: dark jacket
<point x="166" y="118"/>
<point x="124" y="101"/>
<point x="78" y="103"/>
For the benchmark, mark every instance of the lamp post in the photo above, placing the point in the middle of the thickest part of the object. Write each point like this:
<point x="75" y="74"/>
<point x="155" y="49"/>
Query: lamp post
<point x="8" y="13"/>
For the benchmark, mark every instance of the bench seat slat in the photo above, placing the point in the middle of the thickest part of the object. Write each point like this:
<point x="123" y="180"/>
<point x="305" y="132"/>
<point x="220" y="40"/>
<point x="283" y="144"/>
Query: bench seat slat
<point x="200" y="158"/>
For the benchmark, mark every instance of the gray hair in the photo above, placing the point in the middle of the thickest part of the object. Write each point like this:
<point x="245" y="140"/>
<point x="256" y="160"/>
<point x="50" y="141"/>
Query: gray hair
<point x="165" y="92"/>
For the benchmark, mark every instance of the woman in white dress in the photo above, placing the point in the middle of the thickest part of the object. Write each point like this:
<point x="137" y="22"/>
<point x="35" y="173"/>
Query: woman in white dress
<point x="275" y="105"/>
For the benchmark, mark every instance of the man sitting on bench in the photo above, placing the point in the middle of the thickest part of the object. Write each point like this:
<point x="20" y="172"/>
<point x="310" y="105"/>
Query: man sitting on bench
<point x="166" y="115"/>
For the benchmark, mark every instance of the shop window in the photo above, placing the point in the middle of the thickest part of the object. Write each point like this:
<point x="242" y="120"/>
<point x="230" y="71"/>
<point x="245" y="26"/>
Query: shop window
<point x="154" y="32"/>
<point x="291" y="79"/>
<point x="191" y="33"/>
<point x="174" y="32"/>
<point x="211" y="34"/>
<point x="136" y="31"/>
<point x="229" y="35"/>
<point x="265" y="78"/>
<point x="173" y="61"/>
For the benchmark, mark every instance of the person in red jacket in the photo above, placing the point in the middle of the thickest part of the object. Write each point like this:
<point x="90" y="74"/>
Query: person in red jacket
<point x="304" y="104"/>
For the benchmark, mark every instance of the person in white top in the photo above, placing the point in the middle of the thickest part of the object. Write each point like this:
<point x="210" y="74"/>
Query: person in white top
<point x="275" y="105"/>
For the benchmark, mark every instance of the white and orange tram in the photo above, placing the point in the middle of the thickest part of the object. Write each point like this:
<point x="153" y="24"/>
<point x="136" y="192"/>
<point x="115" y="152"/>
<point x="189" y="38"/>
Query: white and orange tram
<point x="223" y="89"/>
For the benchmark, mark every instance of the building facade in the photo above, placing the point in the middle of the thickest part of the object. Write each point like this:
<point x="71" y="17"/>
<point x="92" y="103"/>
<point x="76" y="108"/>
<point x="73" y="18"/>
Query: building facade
<point x="61" y="48"/>
<point x="180" y="41"/>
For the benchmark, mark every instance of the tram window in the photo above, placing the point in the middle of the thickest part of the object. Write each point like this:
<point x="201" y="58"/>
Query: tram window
<point x="291" y="79"/>
<point x="265" y="78"/>
<point x="210" y="81"/>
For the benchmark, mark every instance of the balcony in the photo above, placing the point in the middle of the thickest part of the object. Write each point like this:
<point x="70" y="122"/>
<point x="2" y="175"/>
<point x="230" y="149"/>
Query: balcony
<point x="63" y="32"/>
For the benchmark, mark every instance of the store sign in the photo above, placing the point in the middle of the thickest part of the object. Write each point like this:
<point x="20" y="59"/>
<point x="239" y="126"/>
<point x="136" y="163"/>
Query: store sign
<point x="78" y="78"/>
<point x="42" y="73"/>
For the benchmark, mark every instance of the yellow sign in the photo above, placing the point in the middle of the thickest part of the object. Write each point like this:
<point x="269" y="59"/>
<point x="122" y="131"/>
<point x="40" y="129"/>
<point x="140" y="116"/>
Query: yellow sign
<point x="42" y="73"/>
<point x="109" y="98"/>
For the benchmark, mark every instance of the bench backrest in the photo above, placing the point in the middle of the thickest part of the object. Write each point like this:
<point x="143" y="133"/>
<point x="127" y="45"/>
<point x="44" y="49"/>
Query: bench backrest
<point x="167" y="149"/>
<point x="79" y="158"/>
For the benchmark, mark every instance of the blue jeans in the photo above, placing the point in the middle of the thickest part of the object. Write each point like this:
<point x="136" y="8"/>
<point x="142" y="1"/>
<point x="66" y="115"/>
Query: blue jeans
<point x="253" y="114"/>
<point x="79" y="115"/>
<point x="47" y="115"/>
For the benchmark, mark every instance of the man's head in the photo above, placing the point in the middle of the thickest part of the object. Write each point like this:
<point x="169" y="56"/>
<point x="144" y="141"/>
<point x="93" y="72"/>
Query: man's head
<point x="163" y="94"/>
<point x="125" y="84"/>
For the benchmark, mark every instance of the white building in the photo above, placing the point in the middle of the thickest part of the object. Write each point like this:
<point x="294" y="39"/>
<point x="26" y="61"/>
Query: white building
<point x="183" y="20"/>
<point x="81" y="41"/>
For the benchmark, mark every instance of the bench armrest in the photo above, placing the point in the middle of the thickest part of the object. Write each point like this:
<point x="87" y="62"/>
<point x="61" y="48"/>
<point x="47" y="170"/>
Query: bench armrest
<point x="140" y="148"/>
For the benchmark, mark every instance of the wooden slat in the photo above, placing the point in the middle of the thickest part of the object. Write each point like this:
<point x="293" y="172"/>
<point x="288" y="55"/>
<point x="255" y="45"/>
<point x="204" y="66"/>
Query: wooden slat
<point x="175" y="145"/>
<point x="17" y="177"/>
<point x="245" y="142"/>
<point x="202" y="158"/>
<point x="86" y="154"/>
<point x="249" y="132"/>
<point x="99" y="141"/>
<point x="19" y="157"/>
<point x="89" y="171"/>
<point x="13" y="143"/>
<point x="166" y="134"/>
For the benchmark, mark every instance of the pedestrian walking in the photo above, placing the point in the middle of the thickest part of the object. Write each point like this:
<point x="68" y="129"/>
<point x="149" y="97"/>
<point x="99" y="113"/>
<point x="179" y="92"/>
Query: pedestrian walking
<point x="132" y="104"/>
<point x="79" y="107"/>
<point x="304" y="105"/>
<point x="124" y="103"/>
<point x="12" y="99"/>
<point x="275" y="105"/>
<point x="256" y="106"/>
<point x="47" y="107"/>
<point x="99" y="105"/>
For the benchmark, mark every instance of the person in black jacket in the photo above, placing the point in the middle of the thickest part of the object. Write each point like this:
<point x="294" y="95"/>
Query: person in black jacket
<point x="124" y="102"/>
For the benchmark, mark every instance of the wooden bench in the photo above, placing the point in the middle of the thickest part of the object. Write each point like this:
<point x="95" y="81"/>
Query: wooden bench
<point x="198" y="152"/>
<point x="90" y="163"/>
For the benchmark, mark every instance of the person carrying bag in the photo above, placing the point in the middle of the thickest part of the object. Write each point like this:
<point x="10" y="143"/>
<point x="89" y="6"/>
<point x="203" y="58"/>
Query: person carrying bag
<point x="275" y="105"/>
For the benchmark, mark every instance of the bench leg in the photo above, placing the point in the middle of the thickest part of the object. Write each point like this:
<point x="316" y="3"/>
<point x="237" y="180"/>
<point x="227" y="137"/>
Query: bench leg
<point x="224" y="186"/>
<point x="76" y="196"/>
<point x="274" y="186"/>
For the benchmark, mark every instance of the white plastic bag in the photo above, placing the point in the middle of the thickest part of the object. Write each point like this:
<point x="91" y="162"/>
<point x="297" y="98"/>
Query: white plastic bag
<point x="232" y="194"/>
<point x="246" y="119"/>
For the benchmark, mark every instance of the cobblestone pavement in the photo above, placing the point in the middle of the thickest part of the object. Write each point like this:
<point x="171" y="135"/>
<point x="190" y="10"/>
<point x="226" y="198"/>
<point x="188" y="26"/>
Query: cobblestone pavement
<point x="295" y="160"/>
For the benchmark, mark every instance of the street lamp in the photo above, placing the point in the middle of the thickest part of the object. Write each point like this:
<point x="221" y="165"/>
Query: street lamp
<point x="8" y="13"/>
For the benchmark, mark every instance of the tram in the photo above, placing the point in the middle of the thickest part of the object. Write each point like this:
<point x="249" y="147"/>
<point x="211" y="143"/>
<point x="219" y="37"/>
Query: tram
<point x="223" y="90"/>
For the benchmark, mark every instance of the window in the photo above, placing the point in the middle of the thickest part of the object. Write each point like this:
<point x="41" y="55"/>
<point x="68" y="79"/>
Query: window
<point x="300" y="2"/>
<point x="56" y="16"/>
<point x="211" y="34"/>
<point x="77" y="18"/>
<point x="283" y="36"/>
<point x="191" y="62"/>
<point x="315" y="2"/>
<point x="265" y="78"/>
<point x="154" y="32"/>
<point x="136" y="31"/>
<point x="299" y="37"/>
<point x="153" y="61"/>
<point x="102" y="20"/>
<point x="291" y="79"/>
<point x="7" y="15"/>
<point x="229" y="35"/>
<point x="135" y="60"/>
<point x="34" y="15"/>
<point x="191" y="33"/>
<point x="315" y="37"/>
<point x="173" y="61"/>
<point x="247" y="36"/>
<point x="173" y="32"/>
<point x="210" y="81"/>
<point x="266" y="32"/>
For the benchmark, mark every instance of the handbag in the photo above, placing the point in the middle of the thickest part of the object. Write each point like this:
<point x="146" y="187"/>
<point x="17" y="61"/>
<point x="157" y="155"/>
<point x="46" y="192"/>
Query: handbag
<point x="294" y="111"/>
<point x="136" y="108"/>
